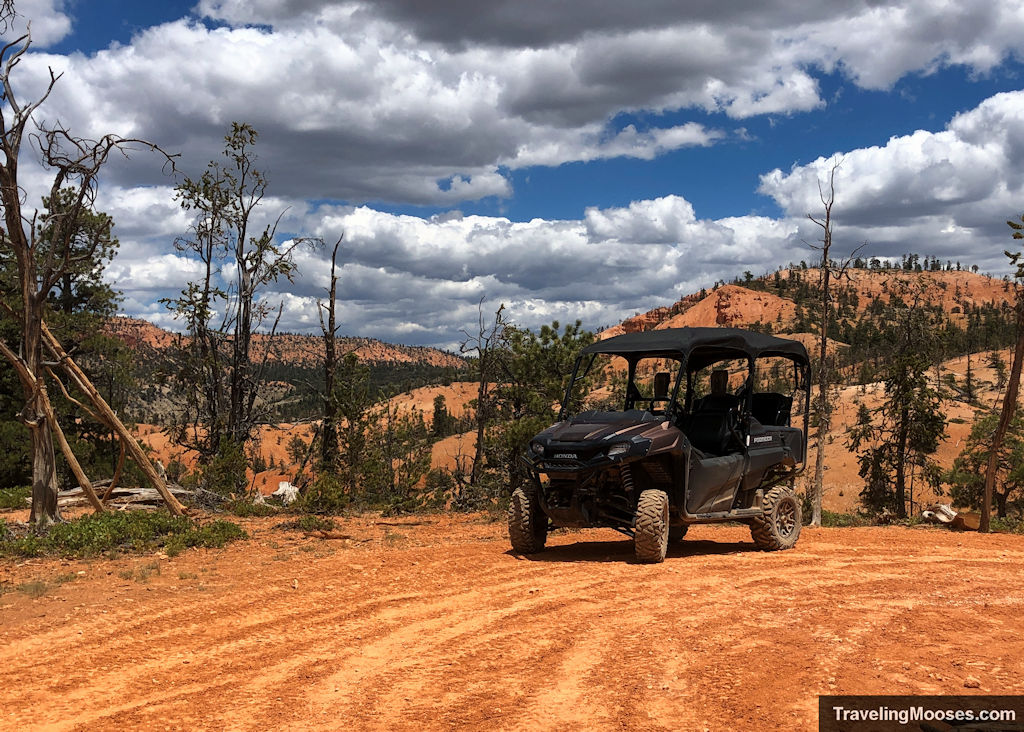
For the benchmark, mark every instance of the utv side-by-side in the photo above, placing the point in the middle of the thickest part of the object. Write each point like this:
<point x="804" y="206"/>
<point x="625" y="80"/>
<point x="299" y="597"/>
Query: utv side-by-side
<point x="704" y="436"/>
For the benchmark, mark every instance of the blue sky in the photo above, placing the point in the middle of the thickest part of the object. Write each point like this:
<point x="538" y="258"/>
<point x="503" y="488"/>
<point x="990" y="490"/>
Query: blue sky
<point x="587" y="162"/>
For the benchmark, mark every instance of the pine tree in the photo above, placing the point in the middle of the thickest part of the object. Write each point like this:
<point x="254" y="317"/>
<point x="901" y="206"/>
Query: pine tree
<point x="967" y="475"/>
<point x="905" y="431"/>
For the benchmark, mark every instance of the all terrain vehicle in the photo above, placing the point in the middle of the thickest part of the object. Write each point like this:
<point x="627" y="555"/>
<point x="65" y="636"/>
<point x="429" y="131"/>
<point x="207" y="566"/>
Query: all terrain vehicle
<point x="684" y="449"/>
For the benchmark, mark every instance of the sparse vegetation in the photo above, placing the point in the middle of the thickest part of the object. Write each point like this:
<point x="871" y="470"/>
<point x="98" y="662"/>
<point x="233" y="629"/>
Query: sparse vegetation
<point x="106" y="533"/>
<point x="12" y="498"/>
<point x="244" y="508"/>
<point x="308" y="523"/>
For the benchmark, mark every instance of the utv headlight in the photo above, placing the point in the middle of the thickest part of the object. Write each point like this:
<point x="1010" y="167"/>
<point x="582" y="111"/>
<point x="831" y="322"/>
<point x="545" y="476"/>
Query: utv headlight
<point x="537" y="448"/>
<point x="619" y="448"/>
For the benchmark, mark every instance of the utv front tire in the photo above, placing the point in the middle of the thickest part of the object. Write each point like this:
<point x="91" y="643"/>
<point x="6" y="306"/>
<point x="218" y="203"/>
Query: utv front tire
<point x="650" y="535"/>
<point x="527" y="522"/>
<point x="779" y="528"/>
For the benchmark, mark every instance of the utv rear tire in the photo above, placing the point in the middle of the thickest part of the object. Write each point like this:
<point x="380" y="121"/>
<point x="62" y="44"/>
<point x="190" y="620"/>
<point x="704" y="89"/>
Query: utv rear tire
<point x="650" y="535"/>
<point x="677" y="533"/>
<point x="779" y="528"/>
<point x="527" y="522"/>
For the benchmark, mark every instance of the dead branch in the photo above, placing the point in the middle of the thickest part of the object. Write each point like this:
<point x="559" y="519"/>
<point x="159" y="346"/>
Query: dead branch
<point x="117" y="472"/>
<point x="67" y="395"/>
<point x="82" y="382"/>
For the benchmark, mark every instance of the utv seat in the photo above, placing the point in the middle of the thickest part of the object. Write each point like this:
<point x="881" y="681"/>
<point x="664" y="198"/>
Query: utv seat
<point x="719" y="400"/>
<point x="712" y="431"/>
<point x="771" y="408"/>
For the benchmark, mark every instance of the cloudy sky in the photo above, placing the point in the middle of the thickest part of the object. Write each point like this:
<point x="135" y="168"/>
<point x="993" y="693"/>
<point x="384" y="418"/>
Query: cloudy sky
<point x="583" y="160"/>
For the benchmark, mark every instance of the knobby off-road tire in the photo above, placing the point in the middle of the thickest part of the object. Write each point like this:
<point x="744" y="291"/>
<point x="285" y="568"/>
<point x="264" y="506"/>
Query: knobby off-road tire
<point x="780" y="526"/>
<point x="677" y="533"/>
<point x="650" y="535"/>
<point x="527" y="522"/>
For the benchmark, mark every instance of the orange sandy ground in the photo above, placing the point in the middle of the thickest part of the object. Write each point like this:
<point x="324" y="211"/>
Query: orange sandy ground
<point x="437" y="626"/>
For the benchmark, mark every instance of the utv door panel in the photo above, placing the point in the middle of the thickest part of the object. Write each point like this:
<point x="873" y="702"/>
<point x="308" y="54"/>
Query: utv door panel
<point x="713" y="483"/>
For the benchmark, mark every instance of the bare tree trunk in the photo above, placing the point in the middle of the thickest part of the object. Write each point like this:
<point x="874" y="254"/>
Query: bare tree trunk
<point x="1005" y="417"/>
<point x="329" y="453"/>
<point x="485" y="343"/>
<point x="481" y="423"/>
<point x="901" y="464"/>
<point x="44" y="462"/>
<point x="824" y="377"/>
<point x="69" y="455"/>
<point x="44" y="475"/>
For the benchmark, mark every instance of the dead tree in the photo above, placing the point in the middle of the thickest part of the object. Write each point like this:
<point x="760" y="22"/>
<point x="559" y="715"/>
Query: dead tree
<point x="830" y="271"/>
<point x="487" y="343"/>
<point x="42" y="260"/>
<point x="329" y="452"/>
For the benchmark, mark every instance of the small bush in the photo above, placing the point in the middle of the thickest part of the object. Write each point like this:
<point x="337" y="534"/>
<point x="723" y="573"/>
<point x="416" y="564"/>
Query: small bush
<point x="325" y="496"/>
<point x="1007" y="525"/>
<point x="245" y="508"/>
<point x="308" y="522"/>
<point x="213" y="535"/>
<point x="11" y="498"/>
<point x="225" y="473"/>
<point x="35" y="588"/>
<point x="113" y="532"/>
<point x="842" y="520"/>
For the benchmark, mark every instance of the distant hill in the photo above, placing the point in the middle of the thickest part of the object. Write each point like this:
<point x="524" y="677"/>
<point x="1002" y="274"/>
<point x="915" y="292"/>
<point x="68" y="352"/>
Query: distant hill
<point x="289" y="348"/>
<point x="775" y="301"/>
<point x="293" y="371"/>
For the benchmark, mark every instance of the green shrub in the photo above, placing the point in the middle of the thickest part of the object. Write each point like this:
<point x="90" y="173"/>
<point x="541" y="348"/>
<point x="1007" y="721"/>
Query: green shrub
<point x="842" y="520"/>
<point x="245" y="508"/>
<point x="308" y="522"/>
<point x="213" y="535"/>
<point x="14" y="497"/>
<point x="113" y="532"/>
<point x="326" y="495"/>
<point x="225" y="473"/>
<point x="1007" y="525"/>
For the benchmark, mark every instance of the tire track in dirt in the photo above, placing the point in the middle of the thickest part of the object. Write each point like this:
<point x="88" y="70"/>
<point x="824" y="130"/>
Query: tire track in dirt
<point x="449" y="630"/>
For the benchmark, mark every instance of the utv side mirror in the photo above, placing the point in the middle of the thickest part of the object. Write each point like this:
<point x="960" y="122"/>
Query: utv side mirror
<point x="661" y="384"/>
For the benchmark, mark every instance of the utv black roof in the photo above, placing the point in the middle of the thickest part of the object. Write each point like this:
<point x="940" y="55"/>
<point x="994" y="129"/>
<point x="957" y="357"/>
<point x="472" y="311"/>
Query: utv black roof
<point x="699" y="347"/>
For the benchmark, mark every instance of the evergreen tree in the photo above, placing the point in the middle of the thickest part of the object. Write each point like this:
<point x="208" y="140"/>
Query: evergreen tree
<point x="905" y="431"/>
<point x="75" y="311"/>
<point x="967" y="475"/>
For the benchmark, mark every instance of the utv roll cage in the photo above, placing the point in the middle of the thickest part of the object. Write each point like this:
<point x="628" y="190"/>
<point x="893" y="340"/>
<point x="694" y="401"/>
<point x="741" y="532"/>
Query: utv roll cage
<point x="696" y="349"/>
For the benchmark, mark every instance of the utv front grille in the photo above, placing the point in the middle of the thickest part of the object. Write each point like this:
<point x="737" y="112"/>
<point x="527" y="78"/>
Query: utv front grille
<point x="563" y="465"/>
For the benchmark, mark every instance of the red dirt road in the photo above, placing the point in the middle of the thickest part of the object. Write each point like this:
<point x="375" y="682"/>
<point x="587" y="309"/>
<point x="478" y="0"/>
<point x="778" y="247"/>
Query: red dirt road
<point x="437" y="626"/>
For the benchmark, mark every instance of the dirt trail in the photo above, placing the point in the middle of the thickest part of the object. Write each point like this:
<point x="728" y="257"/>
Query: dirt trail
<point x="437" y="626"/>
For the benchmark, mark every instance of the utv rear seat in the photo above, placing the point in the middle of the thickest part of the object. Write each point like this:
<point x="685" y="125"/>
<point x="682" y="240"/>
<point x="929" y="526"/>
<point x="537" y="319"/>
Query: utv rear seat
<point x="771" y="408"/>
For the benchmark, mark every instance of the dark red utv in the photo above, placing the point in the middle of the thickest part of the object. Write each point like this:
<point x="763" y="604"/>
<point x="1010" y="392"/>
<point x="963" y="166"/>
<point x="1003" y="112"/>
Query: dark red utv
<point x="685" y="449"/>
